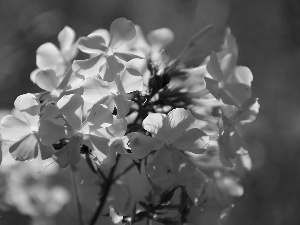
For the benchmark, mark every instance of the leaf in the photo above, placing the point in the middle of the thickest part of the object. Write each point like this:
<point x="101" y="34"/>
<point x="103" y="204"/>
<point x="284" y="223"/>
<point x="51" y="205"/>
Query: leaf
<point x="167" y="195"/>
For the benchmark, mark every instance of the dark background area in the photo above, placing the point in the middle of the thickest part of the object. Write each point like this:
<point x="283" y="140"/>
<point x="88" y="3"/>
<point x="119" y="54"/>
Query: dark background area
<point x="268" y="37"/>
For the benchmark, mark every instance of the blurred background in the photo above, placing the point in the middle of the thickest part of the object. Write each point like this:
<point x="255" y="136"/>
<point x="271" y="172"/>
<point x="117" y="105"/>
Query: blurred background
<point x="268" y="36"/>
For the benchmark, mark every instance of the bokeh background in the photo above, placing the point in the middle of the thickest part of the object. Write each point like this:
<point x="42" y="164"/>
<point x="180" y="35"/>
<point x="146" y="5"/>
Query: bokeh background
<point x="268" y="37"/>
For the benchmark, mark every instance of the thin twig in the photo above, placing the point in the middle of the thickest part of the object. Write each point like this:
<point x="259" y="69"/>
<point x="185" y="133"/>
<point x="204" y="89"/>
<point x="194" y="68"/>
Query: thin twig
<point x="124" y="172"/>
<point x="105" y="192"/>
<point x="79" y="210"/>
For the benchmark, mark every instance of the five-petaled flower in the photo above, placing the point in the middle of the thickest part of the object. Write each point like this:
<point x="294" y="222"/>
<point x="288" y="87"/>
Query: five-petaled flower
<point x="106" y="61"/>
<point x="170" y="134"/>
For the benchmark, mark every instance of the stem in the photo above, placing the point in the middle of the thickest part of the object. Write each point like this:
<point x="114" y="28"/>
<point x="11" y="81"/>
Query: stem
<point x="79" y="210"/>
<point x="124" y="172"/>
<point x="106" y="188"/>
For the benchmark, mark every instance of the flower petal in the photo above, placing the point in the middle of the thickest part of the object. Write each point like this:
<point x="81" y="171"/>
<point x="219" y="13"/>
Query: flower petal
<point x="131" y="83"/>
<point x="26" y="101"/>
<point x="94" y="89"/>
<point x="13" y="128"/>
<point x="127" y="56"/>
<point x="235" y="94"/>
<point x="142" y="145"/>
<point x="155" y="124"/>
<point x="123" y="105"/>
<point x="193" y="140"/>
<point x="179" y="120"/>
<point x="112" y="68"/>
<point x="103" y="33"/>
<point x="95" y="142"/>
<point x="212" y="86"/>
<point x="92" y="44"/>
<point x="228" y="64"/>
<point x="71" y="107"/>
<point x="213" y="67"/>
<point x="70" y="80"/>
<point x="242" y="74"/>
<point x="110" y="159"/>
<point x="89" y="67"/>
<point x="46" y="151"/>
<point x="70" y="154"/>
<point x="225" y="143"/>
<point x="116" y="130"/>
<point x="50" y="132"/>
<point x="160" y="38"/>
<point x="25" y="149"/>
<point x="48" y="56"/>
<point x="100" y="115"/>
<point x="170" y="166"/>
<point x="46" y="80"/>
<point x="33" y="74"/>
<point x="121" y="31"/>
<point x="66" y="38"/>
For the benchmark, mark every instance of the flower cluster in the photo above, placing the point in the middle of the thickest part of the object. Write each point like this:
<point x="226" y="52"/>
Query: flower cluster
<point x="128" y="99"/>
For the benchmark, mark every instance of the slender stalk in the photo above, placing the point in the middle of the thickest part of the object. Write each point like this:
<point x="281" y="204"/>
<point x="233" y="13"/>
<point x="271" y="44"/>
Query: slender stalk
<point x="79" y="210"/>
<point x="104" y="193"/>
<point x="124" y="172"/>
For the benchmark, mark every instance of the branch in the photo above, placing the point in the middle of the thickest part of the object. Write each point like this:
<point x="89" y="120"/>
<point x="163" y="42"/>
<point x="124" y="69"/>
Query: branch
<point x="105" y="192"/>
<point x="73" y="170"/>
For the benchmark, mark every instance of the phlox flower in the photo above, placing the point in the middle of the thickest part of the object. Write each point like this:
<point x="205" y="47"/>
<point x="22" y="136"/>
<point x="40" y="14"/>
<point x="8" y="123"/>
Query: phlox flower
<point x="20" y="132"/>
<point x="48" y="56"/>
<point x="54" y="87"/>
<point x="171" y="134"/>
<point x="112" y="93"/>
<point x="229" y="82"/>
<point x="113" y="142"/>
<point x="231" y="140"/>
<point x="106" y="60"/>
<point x="153" y="46"/>
<point x="70" y="106"/>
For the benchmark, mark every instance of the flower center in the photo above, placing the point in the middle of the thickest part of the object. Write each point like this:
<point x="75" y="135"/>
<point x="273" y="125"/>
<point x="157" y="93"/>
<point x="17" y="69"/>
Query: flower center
<point x="34" y="129"/>
<point x="221" y="84"/>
